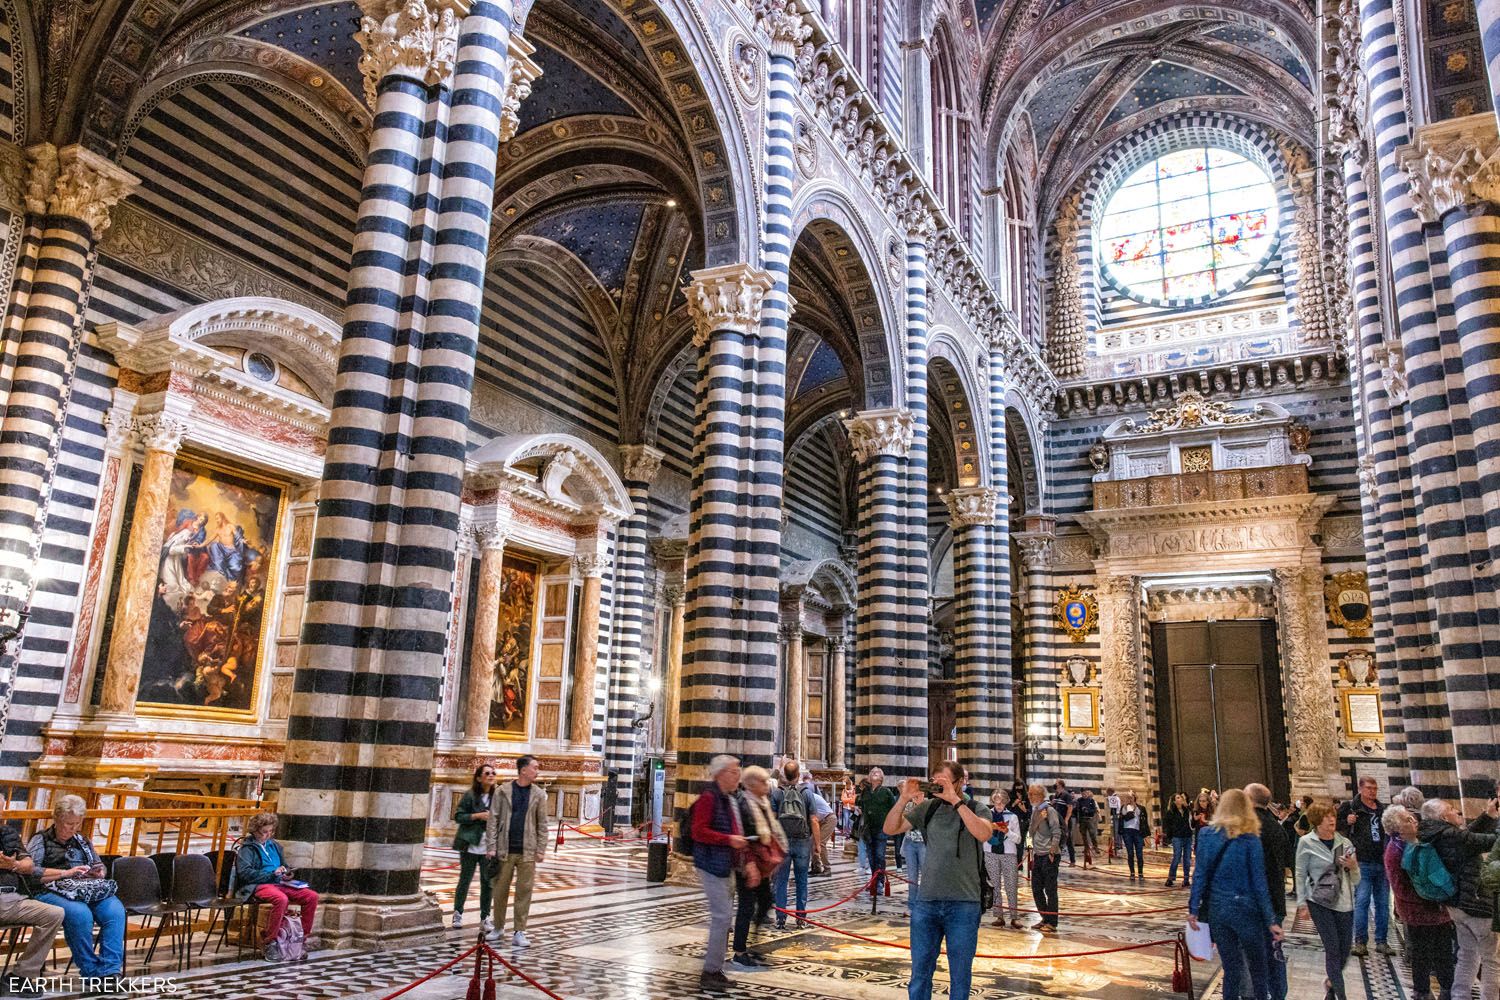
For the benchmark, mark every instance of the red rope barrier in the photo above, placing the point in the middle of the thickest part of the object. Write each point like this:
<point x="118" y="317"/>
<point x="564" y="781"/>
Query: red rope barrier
<point x="432" y="975"/>
<point x="1005" y="958"/>
<point x="831" y="906"/>
<point x="495" y="956"/>
<point x="1067" y="913"/>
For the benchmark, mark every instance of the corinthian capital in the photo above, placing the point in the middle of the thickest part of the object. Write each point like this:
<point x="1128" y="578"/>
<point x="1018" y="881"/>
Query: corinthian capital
<point x="972" y="506"/>
<point x="76" y="184"/>
<point x="523" y="73"/>
<point x="1036" y="549"/>
<point x="1452" y="164"/>
<point x="591" y="564"/>
<point x="726" y="298"/>
<point x="785" y="23"/>
<point x="415" y="38"/>
<point x="161" y="432"/>
<point x="640" y="462"/>
<point x="880" y="432"/>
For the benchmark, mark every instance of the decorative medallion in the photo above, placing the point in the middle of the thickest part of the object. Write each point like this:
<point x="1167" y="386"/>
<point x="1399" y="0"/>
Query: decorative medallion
<point x="1077" y="612"/>
<point x="1079" y="671"/>
<point x="1198" y="459"/>
<point x="1357" y="669"/>
<point x="1349" y="603"/>
<point x="745" y="60"/>
<point x="805" y="148"/>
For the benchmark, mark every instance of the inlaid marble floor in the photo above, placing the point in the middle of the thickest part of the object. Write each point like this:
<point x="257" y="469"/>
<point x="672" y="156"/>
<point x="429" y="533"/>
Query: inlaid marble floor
<point x="599" y="931"/>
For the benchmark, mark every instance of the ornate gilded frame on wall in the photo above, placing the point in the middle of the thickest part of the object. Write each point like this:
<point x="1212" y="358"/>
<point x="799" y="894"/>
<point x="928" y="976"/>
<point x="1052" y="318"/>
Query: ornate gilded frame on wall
<point x="1361" y="715"/>
<point x="1349" y="602"/>
<point x="1080" y="704"/>
<point x="1077" y="612"/>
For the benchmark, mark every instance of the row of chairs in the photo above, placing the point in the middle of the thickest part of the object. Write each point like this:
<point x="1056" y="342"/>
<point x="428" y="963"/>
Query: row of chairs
<point x="175" y="890"/>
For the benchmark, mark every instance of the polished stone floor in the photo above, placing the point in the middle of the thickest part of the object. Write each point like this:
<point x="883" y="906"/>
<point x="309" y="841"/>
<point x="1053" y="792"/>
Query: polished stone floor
<point x="600" y="932"/>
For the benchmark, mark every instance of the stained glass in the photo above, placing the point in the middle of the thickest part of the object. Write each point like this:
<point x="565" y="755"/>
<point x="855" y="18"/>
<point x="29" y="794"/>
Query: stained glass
<point x="1191" y="224"/>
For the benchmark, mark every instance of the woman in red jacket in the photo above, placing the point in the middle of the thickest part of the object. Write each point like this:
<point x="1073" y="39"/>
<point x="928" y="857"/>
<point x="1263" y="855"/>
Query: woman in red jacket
<point x="1428" y="926"/>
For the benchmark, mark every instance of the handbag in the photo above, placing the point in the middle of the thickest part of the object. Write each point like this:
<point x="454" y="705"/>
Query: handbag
<point x="85" y="890"/>
<point x="1326" y="888"/>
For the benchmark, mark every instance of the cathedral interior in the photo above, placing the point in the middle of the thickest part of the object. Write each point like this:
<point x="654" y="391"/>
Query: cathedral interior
<point x="1097" y="390"/>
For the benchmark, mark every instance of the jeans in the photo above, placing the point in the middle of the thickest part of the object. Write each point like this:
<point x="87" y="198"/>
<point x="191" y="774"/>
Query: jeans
<point x="798" y="855"/>
<point x="898" y="852"/>
<point x="1431" y="955"/>
<point x="1241" y="944"/>
<point x="1336" y="931"/>
<point x="1135" y="851"/>
<point x="78" y="928"/>
<point x="1067" y="836"/>
<point x="1044" y="886"/>
<point x="875" y="850"/>
<point x="933" y="921"/>
<point x="1476" y="952"/>
<point x="1182" y="849"/>
<point x="753" y="904"/>
<point x="1372" y="887"/>
<point x="1275" y="969"/>
<point x="1090" y="830"/>
<point x="467" y="864"/>
<point x="862" y="855"/>
<point x="720" y="916"/>
<point x="916" y="853"/>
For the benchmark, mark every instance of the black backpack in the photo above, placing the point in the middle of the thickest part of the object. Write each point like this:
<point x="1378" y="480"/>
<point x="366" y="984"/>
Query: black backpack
<point x="791" y="811"/>
<point x="986" y="890"/>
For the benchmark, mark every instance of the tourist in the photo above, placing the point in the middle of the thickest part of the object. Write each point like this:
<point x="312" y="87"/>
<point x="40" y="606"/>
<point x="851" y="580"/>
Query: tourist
<point x="915" y="846"/>
<point x="472" y="814"/>
<point x="516" y="837"/>
<point x="790" y="805"/>
<point x="1359" y="820"/>
<point x="874" y="804"/>
<point x="1295" y="823"/>
<point x="1112" y="808"/>
<point x="17" y="883"/>
<point x="846" y="806"/>
<point x="766" y="852"/>
<point x="1409" y="798"/>
<point x="1020" y="804"/>
<point x="716" y="833"/>
<point x="1276" y="857"/>
<point x="857" y="828"/>
<point x="1327" y="869"/>
<point x="946" y="909"/>
<point x="823" y="822"/>
<point x="1087" y="812"/>
<point x="261" y="872"/>
<point x="1229" y="891"/>
<point x="1429" y="928"/>
<point x="1002" y="854"/>
<point x="1132" y="825"/>
<point x="1064" y="801"/>
<point x="1046" y="846"/>
<point x="1471" y="909"/>
<point x="1177" y="827"/>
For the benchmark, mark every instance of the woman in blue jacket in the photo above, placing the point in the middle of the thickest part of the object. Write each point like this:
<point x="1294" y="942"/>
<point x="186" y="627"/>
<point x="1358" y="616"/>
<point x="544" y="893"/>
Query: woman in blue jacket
<point x="1229" y="891"/>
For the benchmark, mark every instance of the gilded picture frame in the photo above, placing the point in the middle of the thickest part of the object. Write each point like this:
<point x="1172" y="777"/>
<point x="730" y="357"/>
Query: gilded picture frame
<point x="1080" y="711"/>
<point x="1077" y="612"/>
<point x="513" y="699"/>
<point x="1360" y="712"/>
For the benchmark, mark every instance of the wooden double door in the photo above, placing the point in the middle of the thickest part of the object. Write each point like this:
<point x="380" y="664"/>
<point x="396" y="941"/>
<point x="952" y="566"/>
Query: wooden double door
<point x="1219" y="716"/>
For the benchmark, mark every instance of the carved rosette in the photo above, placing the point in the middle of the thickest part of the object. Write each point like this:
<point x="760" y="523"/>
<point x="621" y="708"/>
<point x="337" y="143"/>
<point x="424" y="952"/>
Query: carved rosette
<point x="1065" y="341"/>
<point x="415" y="38"/>
<point x="523" y="73"/>
<point x="880" y="432"/>
<point x="972" y="507"/>
<point x="640" y="463"/>
<point x="1120" y="669"/>
<point x="77" y="184"/>
<point x="1453" y="164"/>
<point x="161" y="432"/>
<point x="726" y="298"/>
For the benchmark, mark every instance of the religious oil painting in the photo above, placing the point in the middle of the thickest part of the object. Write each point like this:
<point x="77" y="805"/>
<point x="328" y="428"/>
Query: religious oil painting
<point x="206" y="643"/>
<point x="513" y="646"/>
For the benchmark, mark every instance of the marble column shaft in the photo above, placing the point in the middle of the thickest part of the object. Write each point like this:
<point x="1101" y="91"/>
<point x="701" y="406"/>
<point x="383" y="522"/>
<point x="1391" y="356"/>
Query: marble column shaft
<point x="481" y="693"/>
<point x="983" y="686"/>
<point x="796" y="693"/>
<point x="838" y="683"/>
<point x="672" y="686"/>
<point x="586" y="666"/>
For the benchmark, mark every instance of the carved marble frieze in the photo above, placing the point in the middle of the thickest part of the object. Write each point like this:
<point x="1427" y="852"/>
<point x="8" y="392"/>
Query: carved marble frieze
<point x="1116" y="393"/>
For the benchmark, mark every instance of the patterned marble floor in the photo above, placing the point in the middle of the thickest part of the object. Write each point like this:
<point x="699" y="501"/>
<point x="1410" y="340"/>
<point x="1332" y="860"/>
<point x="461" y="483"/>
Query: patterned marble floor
<point x="600" y="932"/>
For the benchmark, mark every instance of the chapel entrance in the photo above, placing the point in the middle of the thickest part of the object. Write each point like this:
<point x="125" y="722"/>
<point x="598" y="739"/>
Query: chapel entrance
<point x="1219" y="706"/>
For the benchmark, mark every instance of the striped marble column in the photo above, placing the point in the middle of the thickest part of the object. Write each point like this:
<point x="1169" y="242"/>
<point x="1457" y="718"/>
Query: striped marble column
<point x="442" y="77"/>
<point x="69" y="196"/>
<point x="914" y="555"/>
<point x="890" y="688"/>
<point x="1038" y="680"/>
<point x="983" y="677"/>
<point x="1467" y="625"/>
<point x="640" y="463"/>
<point x="729" y="663"/>
<point x="1001" y="580"/>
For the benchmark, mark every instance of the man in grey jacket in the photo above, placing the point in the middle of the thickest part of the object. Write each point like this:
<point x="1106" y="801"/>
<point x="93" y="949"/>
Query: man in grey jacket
<point x="1046" y="841"/>
<point x="516" y="834"/>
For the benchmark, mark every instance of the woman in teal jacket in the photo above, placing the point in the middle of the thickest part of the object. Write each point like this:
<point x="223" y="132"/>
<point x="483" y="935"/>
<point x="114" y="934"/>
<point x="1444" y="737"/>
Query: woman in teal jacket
<point x="472" y="814"/>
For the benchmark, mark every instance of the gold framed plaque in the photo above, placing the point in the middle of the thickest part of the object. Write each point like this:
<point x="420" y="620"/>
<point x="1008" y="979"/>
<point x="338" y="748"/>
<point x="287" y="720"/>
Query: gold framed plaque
<point x="1081" y="711"/>
<point x="1361" y="713"/>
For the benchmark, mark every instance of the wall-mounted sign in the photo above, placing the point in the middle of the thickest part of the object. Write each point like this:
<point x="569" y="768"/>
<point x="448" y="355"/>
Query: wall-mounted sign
<point x="1077" y="612"/>
<point x="1349" y="602"/>
<point x="1081" y="711"/>
<point x="1361" y="711"/>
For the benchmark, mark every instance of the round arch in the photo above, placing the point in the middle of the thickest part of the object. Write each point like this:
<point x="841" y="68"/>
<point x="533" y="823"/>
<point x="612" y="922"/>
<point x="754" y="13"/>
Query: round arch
<point x="572" y="471"/>
<point x="1022" y="429"/>
<point x="951" y="381"/>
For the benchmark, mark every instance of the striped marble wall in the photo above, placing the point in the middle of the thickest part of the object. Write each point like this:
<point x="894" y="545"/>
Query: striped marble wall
<point x="813" y="499"/>
<point x="8" y="82"/>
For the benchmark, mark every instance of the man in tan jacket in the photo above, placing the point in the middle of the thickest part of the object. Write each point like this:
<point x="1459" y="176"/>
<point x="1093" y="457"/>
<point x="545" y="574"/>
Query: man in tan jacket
<point x="516" y="834"/>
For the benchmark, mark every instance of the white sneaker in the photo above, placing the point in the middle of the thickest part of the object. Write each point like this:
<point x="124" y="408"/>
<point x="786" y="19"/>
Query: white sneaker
<point x="519" y="941"/>
<point x="497" y="934"/>
<point x="489" y="925"/>
<point x="458" y="920"/>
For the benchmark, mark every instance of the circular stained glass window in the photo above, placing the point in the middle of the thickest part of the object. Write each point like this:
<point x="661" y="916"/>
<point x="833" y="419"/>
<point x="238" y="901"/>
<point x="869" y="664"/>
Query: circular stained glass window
<point x="1188" y="227"/>
<point x="260" y="366"/>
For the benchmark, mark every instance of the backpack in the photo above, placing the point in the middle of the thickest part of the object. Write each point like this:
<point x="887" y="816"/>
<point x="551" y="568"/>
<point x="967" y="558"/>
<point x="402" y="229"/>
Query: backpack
<point x="1429" y="876"/>
<point x="986" y="888"/>
<point x="289" y="944"/>
<point x="792" y="814"/>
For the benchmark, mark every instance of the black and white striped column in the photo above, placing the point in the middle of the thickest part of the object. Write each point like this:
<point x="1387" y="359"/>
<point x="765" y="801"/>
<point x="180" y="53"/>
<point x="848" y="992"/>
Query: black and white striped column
<point x="370" y="667"/>
<point x="890" y="685"/>
<point x="983" y="677"/>
<point x="1003" y="724"/>
<point x="916" y="624"/>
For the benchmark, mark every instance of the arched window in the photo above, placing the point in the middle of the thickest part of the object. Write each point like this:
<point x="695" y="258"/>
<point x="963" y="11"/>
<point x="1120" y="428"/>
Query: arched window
<point x="950" y="133"/>
<point x="1013" y="239"/>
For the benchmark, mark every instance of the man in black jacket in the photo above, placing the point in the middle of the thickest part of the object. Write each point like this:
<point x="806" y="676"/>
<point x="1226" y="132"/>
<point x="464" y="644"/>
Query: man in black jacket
<point x="1277" y="852"/>
<point x="1462" y="852"/>
<point x="1359" y="820"/>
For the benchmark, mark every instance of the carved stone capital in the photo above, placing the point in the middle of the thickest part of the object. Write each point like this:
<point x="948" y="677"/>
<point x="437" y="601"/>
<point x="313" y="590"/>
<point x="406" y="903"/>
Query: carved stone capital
<point x="785" y="23"/>
<point x="673" y="594"/>
<point x="640" y="462"/>
<point x="523" y="73"/>
<point x="75" y="183"/>
<point x="414" y="38"/>
<point x="726" y="298"/>
<point x="593" y="564"/>
<point x="1036" y="549"/>
<point x="490" y="536"/>
<point x="161" y="432"/>
<point x="973" y="506"/>
<point x="918" y="222"/>
<point x="1452" y="164"/>
<point x="880" y="432"/>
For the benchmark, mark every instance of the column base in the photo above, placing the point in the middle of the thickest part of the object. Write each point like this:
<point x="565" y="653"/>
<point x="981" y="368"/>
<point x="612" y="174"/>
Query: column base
<point x="1129" y="780"/>
<point x="1318" y="786"/>
<point x="378" y="923"/>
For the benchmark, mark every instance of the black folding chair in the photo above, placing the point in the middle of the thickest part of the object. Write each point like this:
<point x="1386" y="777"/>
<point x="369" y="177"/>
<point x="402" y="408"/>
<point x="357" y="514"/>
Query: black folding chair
<point x="140" y="894"/>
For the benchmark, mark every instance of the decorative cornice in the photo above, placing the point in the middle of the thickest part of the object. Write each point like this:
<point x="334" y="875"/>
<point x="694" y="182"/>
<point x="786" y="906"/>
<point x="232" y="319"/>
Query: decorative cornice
<point x="880" y="432"/>
<point x="973" y="506"/>
<point x="523" y="73"/>
<point x="726" y="298"/>
<point x="75" y="183"/>
<point x="415" y="38"/>
<point x="1453" y="164"/>
<point x="1128" y="393"/>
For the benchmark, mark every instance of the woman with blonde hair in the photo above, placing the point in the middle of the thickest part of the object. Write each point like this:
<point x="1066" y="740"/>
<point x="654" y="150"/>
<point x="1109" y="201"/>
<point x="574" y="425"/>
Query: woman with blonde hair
<point x="1229" y="891"/>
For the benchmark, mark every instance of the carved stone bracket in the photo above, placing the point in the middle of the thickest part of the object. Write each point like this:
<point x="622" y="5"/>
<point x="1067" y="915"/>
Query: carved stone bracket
<point x="880" y="432"/>
<point x="973" y="506"/>
<point x="726" y="298"/>
<point x="1452" y="164"/>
